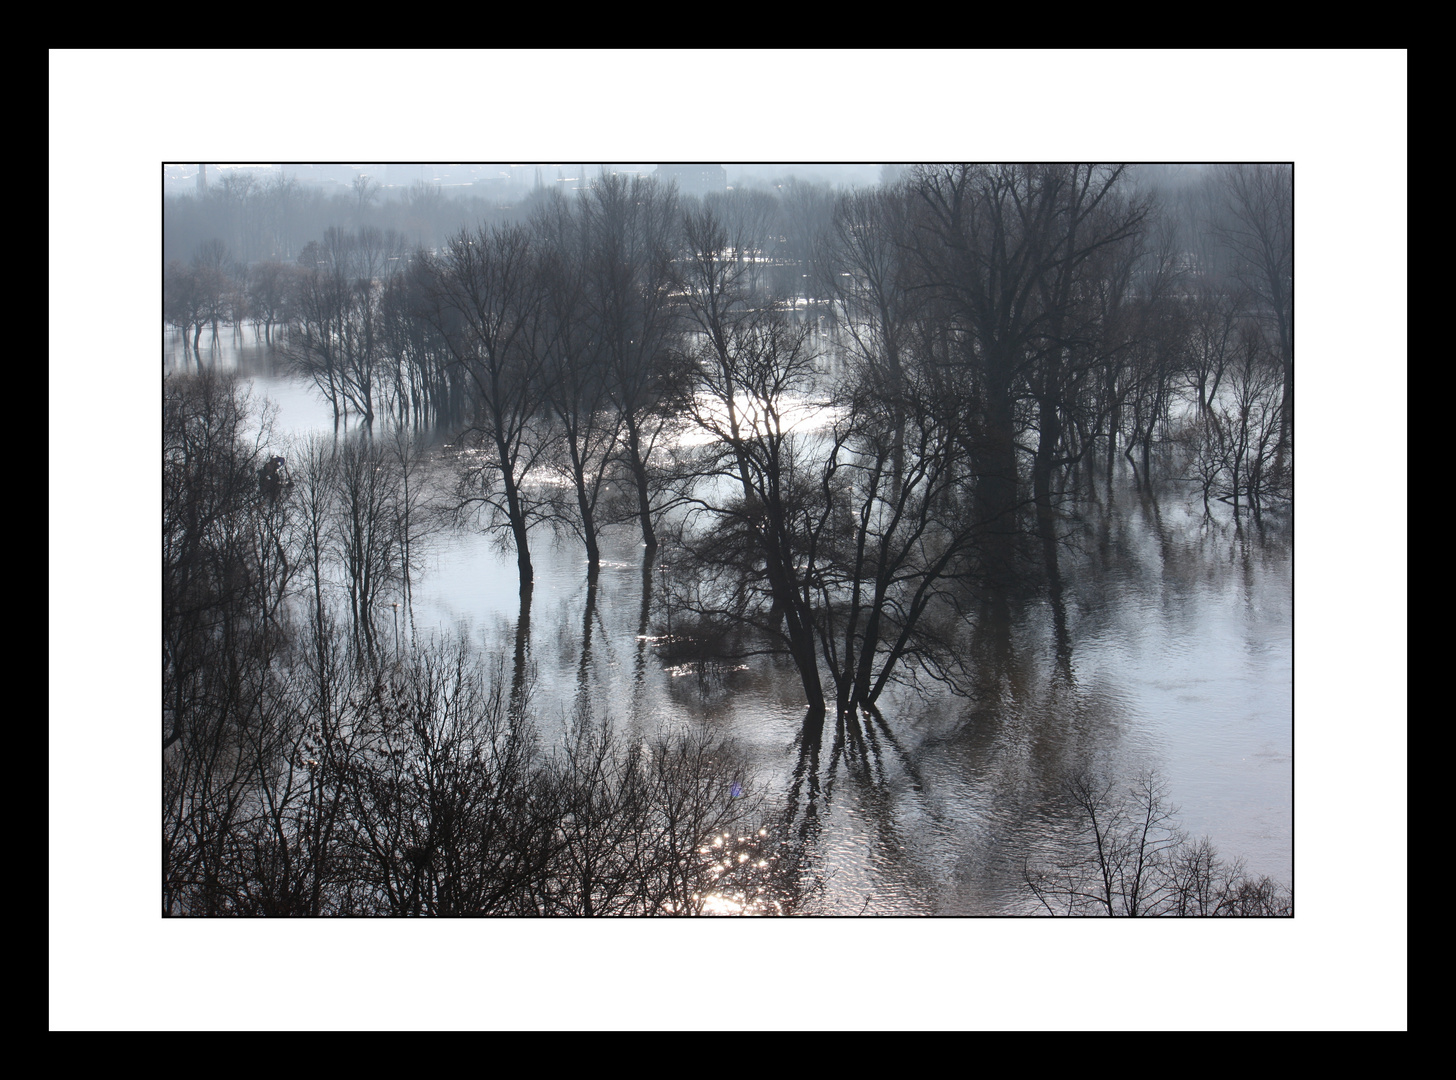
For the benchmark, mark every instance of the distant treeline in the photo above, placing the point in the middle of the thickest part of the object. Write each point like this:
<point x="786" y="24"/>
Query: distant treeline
<point x="262" y="217"/>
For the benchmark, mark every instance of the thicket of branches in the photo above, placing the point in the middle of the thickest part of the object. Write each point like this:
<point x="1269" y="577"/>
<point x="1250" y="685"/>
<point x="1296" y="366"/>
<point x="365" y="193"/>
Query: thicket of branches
<point x="1127" y="855"/>
<point x="316" y="763"/>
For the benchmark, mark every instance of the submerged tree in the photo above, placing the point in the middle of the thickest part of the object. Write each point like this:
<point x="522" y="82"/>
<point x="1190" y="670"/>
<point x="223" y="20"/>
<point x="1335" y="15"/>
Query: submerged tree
<point x="1255" y="222"/>
<point x="337" y="338"/>
<point x="629" y="229"/>
<point x="754" y="508"/>
<point x="896" y="542"/>
<point x="482" y="295"/>
<point x="1007" y="248"/>
<point x="1233" y="450"/>
<point x="183" y="305"/>
<point x="569" y="352"/>
<point x="865" y="259"/>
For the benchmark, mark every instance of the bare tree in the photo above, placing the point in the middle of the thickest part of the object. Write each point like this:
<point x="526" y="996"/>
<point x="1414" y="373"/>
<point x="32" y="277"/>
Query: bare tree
<point x="366" y="191"/>
<point x="483" y="298"/>
<point x="1126" y="855"/>
<point x="280" y="199"/>
<point x="225" y="634"/>
<point x="894" y="543"/>
<point x="1005" y="246"/>
<point x="1233" y="451"/>
<point x="217" y="596"/>
<point x="337" y="337"/>
<point x="864" y="261"/>
<point x="214" y="271"/>
<point x="1214" y="317"/>
<point x="754" y="375"/>
<point x="365" y="539"/>
<point x="630" y="236"/>
<point x="425" y="791"/>
<point x="641" y="824"/>
<point x="1257" y="227"/>
<point x="436" y="775"/>
<point x="270" y="286"/>
<point x="570" y="353"/>
<point x="184" y="306"/>
<point x="314" y="471"/>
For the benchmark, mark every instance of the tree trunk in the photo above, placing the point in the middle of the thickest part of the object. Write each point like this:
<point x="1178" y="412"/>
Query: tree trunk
<point x="583" y="503"/>
<point x="518" y="519"/>
<point x="639" y="477"/>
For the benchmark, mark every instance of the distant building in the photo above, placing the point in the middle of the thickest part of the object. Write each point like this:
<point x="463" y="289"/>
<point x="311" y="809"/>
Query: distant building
<point x="202" y="179"/>
<point x="694" y="179"/>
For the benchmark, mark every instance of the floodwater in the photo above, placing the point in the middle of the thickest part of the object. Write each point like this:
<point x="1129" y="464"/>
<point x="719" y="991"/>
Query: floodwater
<point x="1172" y="649"/>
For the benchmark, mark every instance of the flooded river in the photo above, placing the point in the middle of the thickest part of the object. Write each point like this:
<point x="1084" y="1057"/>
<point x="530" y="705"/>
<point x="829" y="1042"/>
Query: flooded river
<point x="1172" y="649"/>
